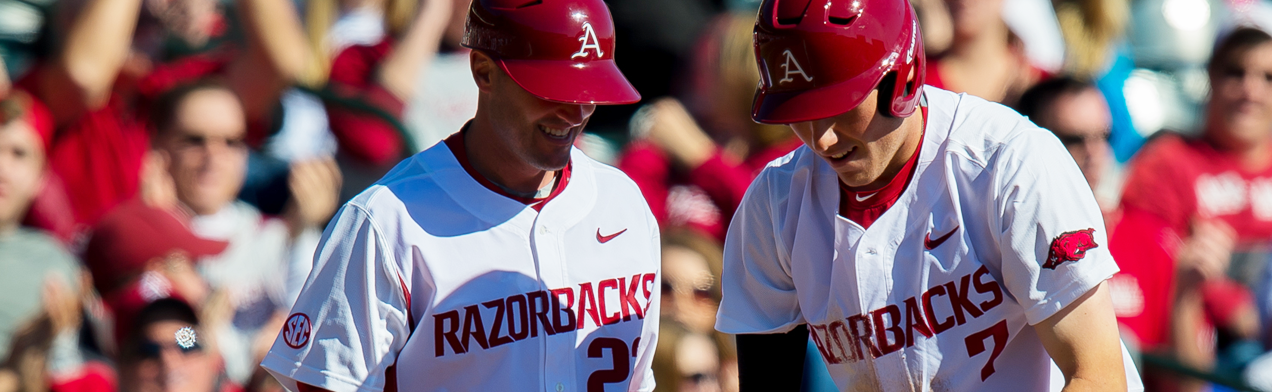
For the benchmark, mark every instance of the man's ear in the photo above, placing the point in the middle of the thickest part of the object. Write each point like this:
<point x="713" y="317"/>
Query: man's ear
<point x="484" y="69"/>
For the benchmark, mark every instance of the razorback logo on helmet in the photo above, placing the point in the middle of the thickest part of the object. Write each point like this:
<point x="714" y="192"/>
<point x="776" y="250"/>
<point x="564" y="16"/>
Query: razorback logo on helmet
<point x="792" y="67"/>
<point x="589" y="42"/>
<point x="1070" y="246"/>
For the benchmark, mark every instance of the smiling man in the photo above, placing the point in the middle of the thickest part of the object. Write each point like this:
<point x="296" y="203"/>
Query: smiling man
<point x="923" y="240"/>
<point x="502" y="259"/>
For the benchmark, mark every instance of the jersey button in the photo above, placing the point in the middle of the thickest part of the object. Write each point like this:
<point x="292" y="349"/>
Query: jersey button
<point x="543" y="230"/>
<point x="871" y="251"/>
<point x="560" y="387"/>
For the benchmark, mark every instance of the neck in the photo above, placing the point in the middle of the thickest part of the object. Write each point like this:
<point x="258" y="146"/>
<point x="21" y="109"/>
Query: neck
<point x="989" y="45"/>
<point x="491" y="157"/>
<point x="1251" y="156"/>
<point x="8" y="227"/>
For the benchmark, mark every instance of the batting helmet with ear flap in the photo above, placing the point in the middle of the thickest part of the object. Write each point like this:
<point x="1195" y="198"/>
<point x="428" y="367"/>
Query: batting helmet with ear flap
<point x="821" y="58"/>
<point x="558" y="50"/>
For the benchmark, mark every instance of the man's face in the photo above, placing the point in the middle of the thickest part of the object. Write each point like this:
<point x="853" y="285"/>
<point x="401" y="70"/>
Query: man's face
<point x="970" y="17"/>
<point x="165" y="365"/>
<point x="687" y="282"/>
<point x="538" y="132"/>
<point x="206" y="152"/>
<point x="21" y="169"/>
<point x="859" y="144"/>
<point x="1241" y="100"/>
<point x="1082" y="122"/>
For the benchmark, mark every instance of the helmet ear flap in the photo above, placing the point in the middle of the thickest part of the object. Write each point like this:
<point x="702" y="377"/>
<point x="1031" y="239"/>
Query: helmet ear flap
<point x="886" y="96"/>
<point x="899" y="97"/>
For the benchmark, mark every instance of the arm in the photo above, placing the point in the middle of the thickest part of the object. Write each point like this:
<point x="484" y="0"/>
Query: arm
<point x="1083" y="341"/>
<point x="772" y="362"/>
<point x="416" y="49"/>
<point x="91" y="56"/>
<point x="354" y="302"/>
<point x="277" y="35"/>
<point x="276" y="54"/>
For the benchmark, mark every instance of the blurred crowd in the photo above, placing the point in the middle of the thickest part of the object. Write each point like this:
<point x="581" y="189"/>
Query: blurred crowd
<point x="167" y="166"/>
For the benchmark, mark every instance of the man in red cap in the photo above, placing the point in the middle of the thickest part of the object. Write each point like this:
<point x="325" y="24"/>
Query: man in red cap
<point x="922" y="239"/>
<point x="138" y="254"/>
<point x="502" y="259"/>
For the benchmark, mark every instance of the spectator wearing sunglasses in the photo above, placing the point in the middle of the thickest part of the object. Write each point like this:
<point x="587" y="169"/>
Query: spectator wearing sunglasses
<point x="1076" y="112"/>
<point x="165" y="351"/>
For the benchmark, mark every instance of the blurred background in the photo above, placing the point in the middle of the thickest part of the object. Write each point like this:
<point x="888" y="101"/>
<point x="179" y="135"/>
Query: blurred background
<point x="167" y="166"/>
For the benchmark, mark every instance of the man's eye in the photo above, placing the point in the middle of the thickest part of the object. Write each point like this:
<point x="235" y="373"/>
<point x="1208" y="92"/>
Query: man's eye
<point x="195" y="140"/>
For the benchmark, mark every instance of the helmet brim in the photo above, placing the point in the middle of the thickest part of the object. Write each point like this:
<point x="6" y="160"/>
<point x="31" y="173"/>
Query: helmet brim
<point x="787" y="107"/>
<point x="597" y="82"/>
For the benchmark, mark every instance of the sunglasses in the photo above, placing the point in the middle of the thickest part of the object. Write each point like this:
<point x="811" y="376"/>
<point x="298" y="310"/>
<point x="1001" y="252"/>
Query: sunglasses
<point x="1072" y="140"/>
<point x="149" y="349"/>
<point x="699" y="293"/>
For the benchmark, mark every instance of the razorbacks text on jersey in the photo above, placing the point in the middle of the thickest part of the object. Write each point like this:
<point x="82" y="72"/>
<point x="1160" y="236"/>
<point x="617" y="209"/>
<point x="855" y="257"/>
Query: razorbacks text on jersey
<point x="429" y="280"/>
<point x="996" y="232"/>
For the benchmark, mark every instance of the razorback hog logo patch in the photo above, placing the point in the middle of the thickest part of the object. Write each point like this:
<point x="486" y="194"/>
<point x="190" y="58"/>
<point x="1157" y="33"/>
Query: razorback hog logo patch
<point x="1070" y="246"/>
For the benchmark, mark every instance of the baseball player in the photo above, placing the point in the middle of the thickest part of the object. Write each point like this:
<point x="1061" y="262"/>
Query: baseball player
<point x="923" y="240"/>
<point x="501" y="259"/>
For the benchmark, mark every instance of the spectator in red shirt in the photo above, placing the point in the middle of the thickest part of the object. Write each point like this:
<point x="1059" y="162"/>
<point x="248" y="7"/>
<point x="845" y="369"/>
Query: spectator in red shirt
<point x="694" y="177"/>
<point x="384" y="75"/>
<point x="1190" y="203"/>
<point x="97" y="84"/>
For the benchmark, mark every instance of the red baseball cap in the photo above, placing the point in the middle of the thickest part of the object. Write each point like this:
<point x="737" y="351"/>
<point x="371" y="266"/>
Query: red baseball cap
<point x="32" y="111"/>
<point x="558" y="50"/>
<point x="132" y="235"/>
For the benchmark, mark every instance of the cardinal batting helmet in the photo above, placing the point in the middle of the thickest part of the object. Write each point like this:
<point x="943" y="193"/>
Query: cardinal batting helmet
<point x="558" y="50"/>
<point x="821" y="58"/>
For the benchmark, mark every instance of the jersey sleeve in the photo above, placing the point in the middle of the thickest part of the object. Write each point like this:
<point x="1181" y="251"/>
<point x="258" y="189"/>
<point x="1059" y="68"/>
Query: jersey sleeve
<point x="759" y="292"/>
<point x="1050" y="232"/>
<point x="351" y="318"/>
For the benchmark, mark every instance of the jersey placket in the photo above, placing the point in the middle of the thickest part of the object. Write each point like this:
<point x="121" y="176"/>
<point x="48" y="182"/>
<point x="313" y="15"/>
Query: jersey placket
<point x="557" y="351"/>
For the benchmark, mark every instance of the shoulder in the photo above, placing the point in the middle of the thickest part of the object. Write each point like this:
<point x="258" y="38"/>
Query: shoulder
<point x="781" y="176"/>
<point x="1168" y="148"/>
<point x="41" y="246"/>
<point x="982" y="131"/>
<point x="414" y="180"/>
<point x="608" y="178"/>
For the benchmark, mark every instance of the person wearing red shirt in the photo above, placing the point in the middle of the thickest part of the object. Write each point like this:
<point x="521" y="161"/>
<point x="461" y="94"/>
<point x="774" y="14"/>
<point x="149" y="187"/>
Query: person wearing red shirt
<point x="107" y="68"/>
<point x="1190" y="203"/>
<point x="694" y="161"/>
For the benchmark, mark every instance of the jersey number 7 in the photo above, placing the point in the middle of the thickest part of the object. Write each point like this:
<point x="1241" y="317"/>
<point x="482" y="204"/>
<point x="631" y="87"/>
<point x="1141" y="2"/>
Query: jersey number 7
<point x="976" y="345"/>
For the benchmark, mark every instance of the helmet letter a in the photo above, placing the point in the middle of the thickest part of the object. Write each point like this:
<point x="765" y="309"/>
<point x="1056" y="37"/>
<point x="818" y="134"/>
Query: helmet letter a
<point x="589" y="42"/>
<point x="791" y="67"/>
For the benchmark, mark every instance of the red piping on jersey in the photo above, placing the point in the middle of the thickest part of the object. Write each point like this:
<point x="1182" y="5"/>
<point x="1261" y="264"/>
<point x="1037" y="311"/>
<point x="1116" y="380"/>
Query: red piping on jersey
<point x="410" y="312"/>
<point x="390" y="373"/>
<point x="455" y="142"/>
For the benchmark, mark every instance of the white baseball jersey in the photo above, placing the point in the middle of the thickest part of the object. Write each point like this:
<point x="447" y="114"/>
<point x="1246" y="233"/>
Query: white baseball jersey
<point x="442" y="284"/>
<point x="996" y="231"/>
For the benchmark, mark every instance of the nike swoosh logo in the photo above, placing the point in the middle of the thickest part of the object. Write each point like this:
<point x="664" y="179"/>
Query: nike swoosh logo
<point x="859" y="198"/>
<point x="606" y="238"/>
<point x="930" y="244"/>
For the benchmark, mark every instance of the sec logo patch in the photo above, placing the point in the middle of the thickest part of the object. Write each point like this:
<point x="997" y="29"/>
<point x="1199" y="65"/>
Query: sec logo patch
<point x="296" y="330"/>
